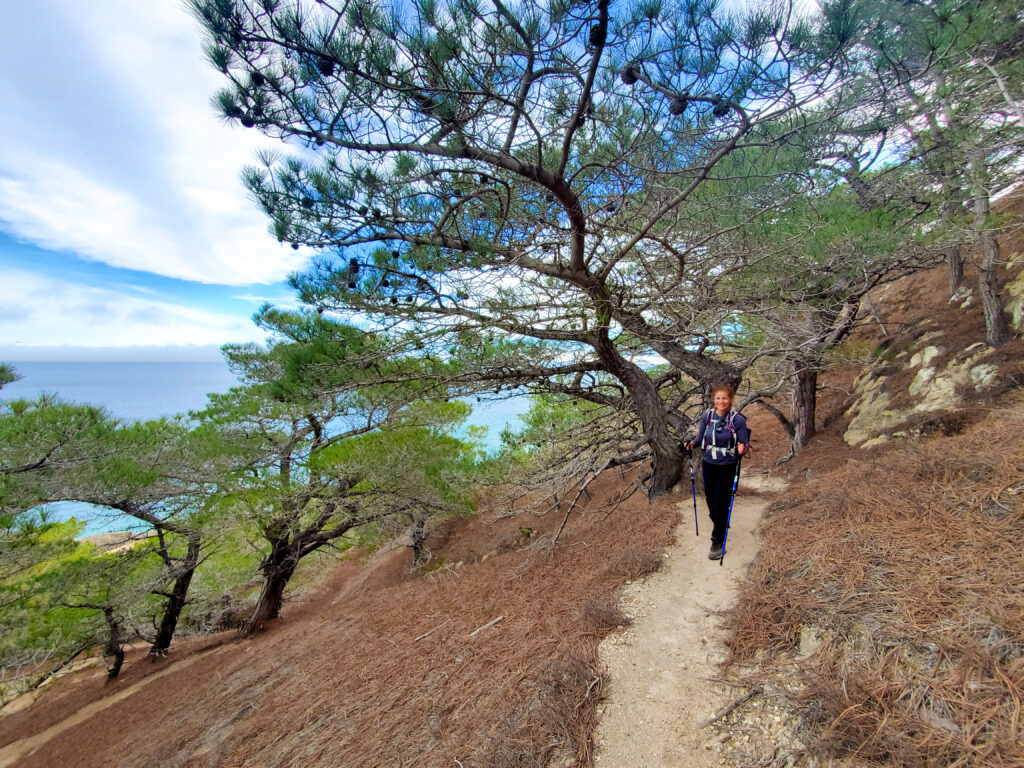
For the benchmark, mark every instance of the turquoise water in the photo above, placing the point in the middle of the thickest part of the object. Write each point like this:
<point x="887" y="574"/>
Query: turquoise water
<point x="138" y="391"/>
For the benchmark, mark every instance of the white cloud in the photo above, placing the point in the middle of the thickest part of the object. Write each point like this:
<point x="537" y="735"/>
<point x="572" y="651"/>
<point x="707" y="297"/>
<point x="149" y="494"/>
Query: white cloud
<point x="42" y="312"/>
<point x="112" y="151"/>
<point x="283" y="301"/>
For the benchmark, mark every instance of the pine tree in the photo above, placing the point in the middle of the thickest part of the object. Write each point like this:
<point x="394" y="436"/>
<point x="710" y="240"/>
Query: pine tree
<point x="550" y="173"/>
<point x="326" y="448"/>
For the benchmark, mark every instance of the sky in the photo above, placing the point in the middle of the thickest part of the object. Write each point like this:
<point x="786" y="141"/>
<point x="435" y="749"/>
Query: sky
<point x="124" y="227"/>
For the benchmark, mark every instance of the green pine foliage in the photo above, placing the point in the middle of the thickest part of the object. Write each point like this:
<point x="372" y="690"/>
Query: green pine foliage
<point x="8" y="374"/>
<point x="313" y="422"/>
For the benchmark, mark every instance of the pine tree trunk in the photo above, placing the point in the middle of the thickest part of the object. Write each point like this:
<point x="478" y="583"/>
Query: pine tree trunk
<point x="650" y="408"/>
<point x="997" y="330"/>
<point x="952" y="205"/>
<point x="956" y="268"/>
<point x="668" y="459"/>
<point x="176" y="601"/>
<point x="805" y="399"/>
<point x="665" y="452"/>
<point x="419" y="539"/>
<point x="278" y="568"/>
<point x="115" y="645"/>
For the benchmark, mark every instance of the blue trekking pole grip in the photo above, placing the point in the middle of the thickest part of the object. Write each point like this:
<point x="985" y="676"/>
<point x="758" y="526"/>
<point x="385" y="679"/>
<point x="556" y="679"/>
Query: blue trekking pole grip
<point x="728" y="519"/>
<point x="693" y="489"/>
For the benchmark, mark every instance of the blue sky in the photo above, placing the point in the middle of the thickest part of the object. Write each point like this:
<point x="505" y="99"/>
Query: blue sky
<point x="123" y="223"/>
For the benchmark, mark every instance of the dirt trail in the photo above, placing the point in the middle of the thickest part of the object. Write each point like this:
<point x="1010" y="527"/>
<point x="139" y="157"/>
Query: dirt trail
<point x="16" y="750"/>
<point x="658" y="696"/>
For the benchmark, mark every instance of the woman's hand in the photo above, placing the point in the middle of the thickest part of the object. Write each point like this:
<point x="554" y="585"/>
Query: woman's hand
<point x="741" y="449"/>
<point x="689" y="445"/>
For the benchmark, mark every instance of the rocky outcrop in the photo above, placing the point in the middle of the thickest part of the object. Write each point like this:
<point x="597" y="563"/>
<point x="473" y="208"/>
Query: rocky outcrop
<point x="942" y="382"/>
<point x="1015" y="307"/>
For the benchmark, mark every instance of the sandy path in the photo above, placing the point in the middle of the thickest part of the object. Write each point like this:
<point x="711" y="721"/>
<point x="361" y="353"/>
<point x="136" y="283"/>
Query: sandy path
<point x="657" y="699"/>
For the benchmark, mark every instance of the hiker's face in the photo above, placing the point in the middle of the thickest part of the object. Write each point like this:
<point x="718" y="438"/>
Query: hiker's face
<point x="723" y="401"/>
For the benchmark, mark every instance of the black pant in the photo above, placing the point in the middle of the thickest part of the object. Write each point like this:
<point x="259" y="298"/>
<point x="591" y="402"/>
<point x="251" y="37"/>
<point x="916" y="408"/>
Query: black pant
<point x="718" y="489"/>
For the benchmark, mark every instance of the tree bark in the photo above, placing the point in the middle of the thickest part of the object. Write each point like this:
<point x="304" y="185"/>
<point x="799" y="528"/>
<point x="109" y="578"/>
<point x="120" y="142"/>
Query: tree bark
<point x="177" y="597"/>
<point x="268" y="606"/>
<point x="805" y="398"/>
<point x="956" y="268"/>
<point x="952" y="203"/>
<point x="419" y="539"/>
<point x="114" y="646"/>
<point x="650" y="408"/>
<point x="278" y="568"/>
<point x="997" y="330"/>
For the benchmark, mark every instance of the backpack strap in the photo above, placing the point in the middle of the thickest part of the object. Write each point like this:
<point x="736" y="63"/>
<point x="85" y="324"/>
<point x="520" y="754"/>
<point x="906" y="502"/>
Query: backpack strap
<point x="704" y="421"/>
<point x="717" y="451"/>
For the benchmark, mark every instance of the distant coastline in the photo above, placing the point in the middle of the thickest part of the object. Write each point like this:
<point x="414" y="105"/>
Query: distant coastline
<point x="117" y="541"/>
<point x="141" y="390"/>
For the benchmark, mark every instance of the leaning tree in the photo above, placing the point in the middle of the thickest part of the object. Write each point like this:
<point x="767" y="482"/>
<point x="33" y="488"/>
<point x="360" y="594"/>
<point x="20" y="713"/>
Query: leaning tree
<point x="164" y="474"/>
<point x="327" y="445"/>
<point x="548" y="173"/>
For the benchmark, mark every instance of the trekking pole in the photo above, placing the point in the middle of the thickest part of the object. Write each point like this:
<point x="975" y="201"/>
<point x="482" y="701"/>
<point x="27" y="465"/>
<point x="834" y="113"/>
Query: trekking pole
<point x="693" y="488"/>
<point x="735" y="482"/>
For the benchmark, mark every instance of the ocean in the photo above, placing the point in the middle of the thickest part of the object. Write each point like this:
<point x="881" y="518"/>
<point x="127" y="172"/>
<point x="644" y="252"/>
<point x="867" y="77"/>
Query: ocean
<point x="129" y="391"/>
<point x="151" y="390"/>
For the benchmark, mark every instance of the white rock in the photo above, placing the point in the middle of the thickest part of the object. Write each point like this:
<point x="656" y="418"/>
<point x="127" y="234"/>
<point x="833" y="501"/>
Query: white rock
<point x="924" y="357"/>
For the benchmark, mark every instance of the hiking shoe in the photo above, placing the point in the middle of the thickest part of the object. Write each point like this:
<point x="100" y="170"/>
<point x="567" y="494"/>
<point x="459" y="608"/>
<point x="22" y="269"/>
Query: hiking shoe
<point x="716" y="551"/>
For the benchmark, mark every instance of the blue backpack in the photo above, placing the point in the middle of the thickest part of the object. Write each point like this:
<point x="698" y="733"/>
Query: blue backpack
<point x="718" y="450"/>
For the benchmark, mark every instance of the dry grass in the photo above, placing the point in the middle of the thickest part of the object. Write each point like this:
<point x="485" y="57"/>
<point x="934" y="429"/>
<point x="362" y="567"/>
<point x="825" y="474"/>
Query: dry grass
<point x="382" y="666"/>
<point x="631" y="563"/>
<point x="909" y="562"/>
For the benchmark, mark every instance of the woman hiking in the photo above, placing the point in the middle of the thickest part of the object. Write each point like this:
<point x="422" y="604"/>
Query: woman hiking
<point x="724" y="437"/>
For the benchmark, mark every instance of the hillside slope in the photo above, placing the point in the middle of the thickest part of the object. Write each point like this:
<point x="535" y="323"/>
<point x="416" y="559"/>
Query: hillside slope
<point x="880" y="624"/>
<point x="884" y="616"/>
<point x="381" y="667"/>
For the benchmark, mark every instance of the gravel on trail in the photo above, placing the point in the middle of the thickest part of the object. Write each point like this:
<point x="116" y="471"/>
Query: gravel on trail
<point x="659" y="693"/>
